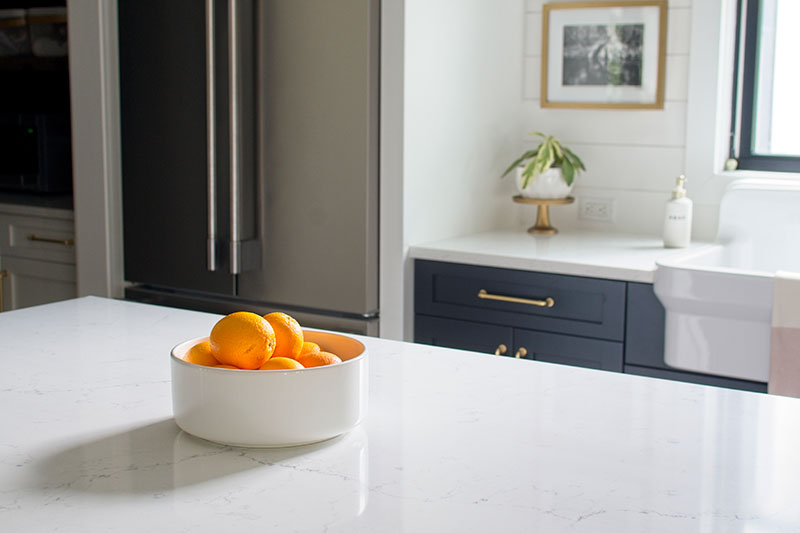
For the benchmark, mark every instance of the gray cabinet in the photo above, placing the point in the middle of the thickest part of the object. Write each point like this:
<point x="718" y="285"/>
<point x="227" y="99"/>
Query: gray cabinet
<point x="594" y="323"/>
<point x="37" y="256"/>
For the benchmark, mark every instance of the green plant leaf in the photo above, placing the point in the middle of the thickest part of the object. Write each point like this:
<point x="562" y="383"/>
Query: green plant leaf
<point x="549" y="154"/>
<point x="568" y="171"/>
<point x="540" y="158"/>
<point x="527" y="177"/>
<point x="528" y="173"/>
<point x="576" y="161"/>
<point x="527" y="155"/>
<point x="558" y="151"/>
<point x="548" y="157"/>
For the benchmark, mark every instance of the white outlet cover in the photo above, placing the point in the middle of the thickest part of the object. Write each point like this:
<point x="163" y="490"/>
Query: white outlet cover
<point x="596" y="209"/>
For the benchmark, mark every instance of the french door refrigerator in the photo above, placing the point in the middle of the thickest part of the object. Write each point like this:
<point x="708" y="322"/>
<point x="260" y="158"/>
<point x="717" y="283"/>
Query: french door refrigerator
<point x="250" y="156"/>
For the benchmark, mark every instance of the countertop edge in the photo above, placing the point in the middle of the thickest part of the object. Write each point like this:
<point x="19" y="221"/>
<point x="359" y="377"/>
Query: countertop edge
<point x="548" y="266"/>
<point x="62" y="213"/>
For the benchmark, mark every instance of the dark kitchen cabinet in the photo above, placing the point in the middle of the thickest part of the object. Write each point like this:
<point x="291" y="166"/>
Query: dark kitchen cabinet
<point x="529" y="315"/>
<point x="588" y="322"/>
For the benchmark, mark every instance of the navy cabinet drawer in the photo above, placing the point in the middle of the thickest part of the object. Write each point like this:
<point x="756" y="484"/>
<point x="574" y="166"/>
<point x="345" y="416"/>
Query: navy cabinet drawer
<point x="463" y="335"/>
<point x="567" y="350"/>
<point x="582" y="306"/>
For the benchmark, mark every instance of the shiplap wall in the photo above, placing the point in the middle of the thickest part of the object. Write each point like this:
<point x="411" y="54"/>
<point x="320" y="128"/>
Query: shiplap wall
<point x="632" y="156"/>
<point x="472" y="84"/>
<point x="462" y="115"/>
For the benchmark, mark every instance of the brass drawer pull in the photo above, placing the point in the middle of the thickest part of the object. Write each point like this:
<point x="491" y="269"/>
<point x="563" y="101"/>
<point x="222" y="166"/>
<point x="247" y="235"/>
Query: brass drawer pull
<point x="522" y="352"/>
<point x="65" y="242"/>
<point x="547" y="302"/>
<point x="501" y="349"/>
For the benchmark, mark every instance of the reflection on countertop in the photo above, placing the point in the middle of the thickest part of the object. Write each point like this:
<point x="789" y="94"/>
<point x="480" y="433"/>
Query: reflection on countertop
<point x="453" y="441"/>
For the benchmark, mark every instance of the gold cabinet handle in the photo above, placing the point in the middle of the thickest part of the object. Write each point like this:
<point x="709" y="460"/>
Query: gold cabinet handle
<point x="37" y="238"/>
<point x="522" y="352"/>
<point x="3" y="274"/>
<point x="547" y="302"/>
<point x="501" y="349"/>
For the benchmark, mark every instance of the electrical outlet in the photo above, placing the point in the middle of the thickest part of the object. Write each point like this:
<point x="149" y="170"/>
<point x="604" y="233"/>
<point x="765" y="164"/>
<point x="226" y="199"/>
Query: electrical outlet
<point x="597" y="209"/>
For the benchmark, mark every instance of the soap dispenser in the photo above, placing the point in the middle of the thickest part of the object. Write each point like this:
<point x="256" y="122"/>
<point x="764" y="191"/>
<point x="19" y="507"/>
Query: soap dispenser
<point x="678" y="217"/>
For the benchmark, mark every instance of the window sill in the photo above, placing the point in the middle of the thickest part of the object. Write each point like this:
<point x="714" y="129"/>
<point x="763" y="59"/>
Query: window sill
<point x="758" y="174"/>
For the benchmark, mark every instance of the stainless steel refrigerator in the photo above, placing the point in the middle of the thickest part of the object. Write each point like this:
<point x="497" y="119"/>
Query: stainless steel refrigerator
<point x="250" y="156"/>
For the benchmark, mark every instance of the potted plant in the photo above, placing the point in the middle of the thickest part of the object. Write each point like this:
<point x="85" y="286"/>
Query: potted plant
<point x="547" y="171"/>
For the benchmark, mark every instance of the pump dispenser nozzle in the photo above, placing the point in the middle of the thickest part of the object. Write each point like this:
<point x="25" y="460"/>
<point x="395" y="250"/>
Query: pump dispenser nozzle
<point x="679" y="191"/>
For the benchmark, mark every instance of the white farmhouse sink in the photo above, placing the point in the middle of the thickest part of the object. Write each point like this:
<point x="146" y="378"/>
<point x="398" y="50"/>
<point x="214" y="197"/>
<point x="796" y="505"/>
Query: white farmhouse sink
<point x="719" y="299"/>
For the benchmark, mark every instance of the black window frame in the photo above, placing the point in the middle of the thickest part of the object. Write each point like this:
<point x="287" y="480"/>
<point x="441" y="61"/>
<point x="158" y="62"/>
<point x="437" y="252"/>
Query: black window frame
<point x="746" y="158"/>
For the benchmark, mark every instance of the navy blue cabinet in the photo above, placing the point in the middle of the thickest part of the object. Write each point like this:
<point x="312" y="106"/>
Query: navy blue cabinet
<point x="529" y="315"/>
<point x="595" y="323"/>
<point x="464" y="335"/>
<point x="580" y="306"/>
<point x="644" y="344"/>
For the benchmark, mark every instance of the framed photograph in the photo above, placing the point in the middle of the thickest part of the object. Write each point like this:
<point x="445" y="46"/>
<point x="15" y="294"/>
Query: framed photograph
<point x="604" y="54"/>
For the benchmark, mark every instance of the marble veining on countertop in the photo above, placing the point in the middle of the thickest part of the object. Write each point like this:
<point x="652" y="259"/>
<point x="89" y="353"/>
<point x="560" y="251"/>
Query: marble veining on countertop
<point x="618" y="256"/>
<point x="453" y="441"/>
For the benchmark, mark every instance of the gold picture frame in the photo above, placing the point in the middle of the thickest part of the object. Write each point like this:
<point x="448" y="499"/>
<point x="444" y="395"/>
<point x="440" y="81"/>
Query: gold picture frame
<point x="604" y="55"/>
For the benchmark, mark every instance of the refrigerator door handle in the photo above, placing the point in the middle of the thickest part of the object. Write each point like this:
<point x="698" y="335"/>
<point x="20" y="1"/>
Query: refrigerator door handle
<point x="211" y="127"/>
<point x="244" y="252"/>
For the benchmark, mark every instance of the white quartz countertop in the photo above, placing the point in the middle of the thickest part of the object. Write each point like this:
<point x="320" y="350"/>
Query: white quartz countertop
<point x="594" y="254"/>
<point x="453" y="441"/>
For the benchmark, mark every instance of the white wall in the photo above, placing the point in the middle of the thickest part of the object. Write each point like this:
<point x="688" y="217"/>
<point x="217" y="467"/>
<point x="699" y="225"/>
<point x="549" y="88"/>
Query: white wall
<point x="461" y="120"/>
<point x="463" y="86"/>
<point x="95" y="147"/>
<point x="472" y="93"/>
<point x="632" y="156"/>
<point x="392" y="239"/>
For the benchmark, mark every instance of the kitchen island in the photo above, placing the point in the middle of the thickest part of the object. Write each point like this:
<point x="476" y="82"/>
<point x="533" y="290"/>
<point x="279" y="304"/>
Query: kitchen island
<point x="453" y="441"/>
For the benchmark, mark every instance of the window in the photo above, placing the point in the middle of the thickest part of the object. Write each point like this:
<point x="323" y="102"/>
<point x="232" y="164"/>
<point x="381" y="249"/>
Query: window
<point x="767" y="112"/>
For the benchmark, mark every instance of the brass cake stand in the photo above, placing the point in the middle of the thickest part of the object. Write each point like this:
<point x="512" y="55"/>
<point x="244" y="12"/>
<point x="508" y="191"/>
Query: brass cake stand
<point x="542" y="226"/>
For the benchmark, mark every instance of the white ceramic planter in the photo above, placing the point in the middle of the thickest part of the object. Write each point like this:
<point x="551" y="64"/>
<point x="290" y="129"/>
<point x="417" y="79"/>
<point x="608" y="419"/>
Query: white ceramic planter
<point x="549" y="184"/>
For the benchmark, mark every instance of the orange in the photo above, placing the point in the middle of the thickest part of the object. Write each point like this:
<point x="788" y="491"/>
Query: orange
<point x="309" y="346"/>
<point x="227" y="366"/>
<point x="288" y="335"/>
<point x="313" y="359"/>
<point x="243" y="339"/>
<point x="200" y="354"/>
<point x="281" y="363"/>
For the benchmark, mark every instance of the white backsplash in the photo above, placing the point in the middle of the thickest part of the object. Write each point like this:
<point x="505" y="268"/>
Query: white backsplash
<point x="472" y="83"/>
<point x="632" y="156"/>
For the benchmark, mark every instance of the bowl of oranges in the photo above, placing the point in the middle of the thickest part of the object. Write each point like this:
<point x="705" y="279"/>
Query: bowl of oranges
<point x="264" y="381"/>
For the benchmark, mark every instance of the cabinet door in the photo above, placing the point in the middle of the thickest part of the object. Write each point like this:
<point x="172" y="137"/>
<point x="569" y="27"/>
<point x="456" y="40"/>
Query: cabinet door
<point x="568" y="350"/>
<point x="644" y="335"/>
<point x="462" y="334"/>
<point x="30" y="282"/>
<point x="583" y="307"/>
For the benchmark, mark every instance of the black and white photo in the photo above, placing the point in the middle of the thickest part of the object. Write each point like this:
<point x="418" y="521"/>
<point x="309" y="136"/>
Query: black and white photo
<point x="603" y="54"/>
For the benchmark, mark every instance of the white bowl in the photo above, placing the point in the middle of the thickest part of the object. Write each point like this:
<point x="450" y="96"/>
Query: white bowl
<point x="272" y="408"/>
